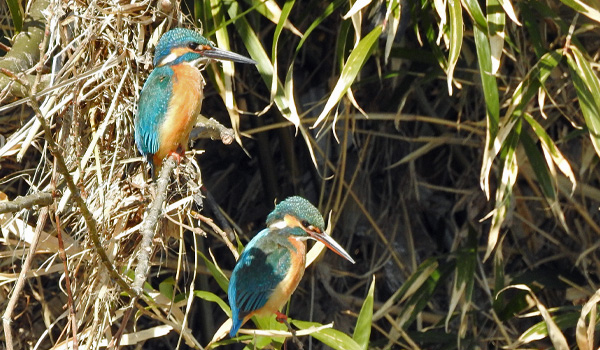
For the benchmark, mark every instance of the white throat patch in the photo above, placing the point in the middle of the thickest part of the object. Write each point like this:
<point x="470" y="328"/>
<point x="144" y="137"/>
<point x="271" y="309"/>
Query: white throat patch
<point x="281" y="224"/>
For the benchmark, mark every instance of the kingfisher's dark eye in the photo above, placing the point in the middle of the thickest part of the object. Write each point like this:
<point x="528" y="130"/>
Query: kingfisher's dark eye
<point x="305" y="223"/>
<point x="192" y="45"/>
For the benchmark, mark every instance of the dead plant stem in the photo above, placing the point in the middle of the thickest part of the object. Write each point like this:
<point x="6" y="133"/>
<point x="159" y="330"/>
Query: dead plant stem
<point x="62" y="168"/>
<point x="12" y="302"/>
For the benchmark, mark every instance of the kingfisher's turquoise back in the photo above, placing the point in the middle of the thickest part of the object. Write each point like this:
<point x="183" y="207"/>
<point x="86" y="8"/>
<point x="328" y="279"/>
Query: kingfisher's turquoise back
<point x="263" y="264"/>
<point x="152" y="109"/>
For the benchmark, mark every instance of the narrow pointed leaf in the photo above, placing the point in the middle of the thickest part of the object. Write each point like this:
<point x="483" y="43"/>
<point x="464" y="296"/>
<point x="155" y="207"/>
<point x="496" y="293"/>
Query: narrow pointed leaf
<point x="588" y="90"/>
<point x="329" y="336"/>
<point x="355" y="61"/>
<point x="456" y="38"/>
<point x="362" y="332"/>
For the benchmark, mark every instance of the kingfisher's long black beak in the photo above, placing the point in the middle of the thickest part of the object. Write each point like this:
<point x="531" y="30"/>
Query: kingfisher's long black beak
<point x="224" y="55"/>
<point x="331" y="244"/>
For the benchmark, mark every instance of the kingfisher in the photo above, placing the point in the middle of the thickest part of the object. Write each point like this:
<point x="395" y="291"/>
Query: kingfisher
<point x="171" y="98"/>
<point x="272" y="264"/>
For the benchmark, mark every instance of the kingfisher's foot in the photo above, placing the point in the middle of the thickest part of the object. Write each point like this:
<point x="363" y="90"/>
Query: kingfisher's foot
<point x="176" y="155"/>
<point x="281" y="318"/>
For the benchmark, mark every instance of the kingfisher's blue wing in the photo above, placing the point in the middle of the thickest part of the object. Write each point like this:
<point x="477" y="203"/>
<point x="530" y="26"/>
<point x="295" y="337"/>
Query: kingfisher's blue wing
<point x="152" y="109"/>
<point x="261" y="267"/>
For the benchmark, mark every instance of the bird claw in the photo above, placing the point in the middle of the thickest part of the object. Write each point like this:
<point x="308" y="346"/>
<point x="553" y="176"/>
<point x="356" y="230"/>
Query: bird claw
<point x="281" y="318"/>
<point x="176" y="155"/>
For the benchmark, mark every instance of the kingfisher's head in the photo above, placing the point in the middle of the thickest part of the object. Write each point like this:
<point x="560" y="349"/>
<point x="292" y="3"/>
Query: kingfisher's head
<point x="298" y="217"/>
<point x="184" y="45"/>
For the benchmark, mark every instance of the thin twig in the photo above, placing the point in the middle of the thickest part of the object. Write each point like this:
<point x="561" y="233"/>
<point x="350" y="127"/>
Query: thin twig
<point x="218" y="230"/>
<point x="7" y="316"/>
<point x="216" y="210"/>
<point x="63" y="256"/>
<point x="26" y="202"/>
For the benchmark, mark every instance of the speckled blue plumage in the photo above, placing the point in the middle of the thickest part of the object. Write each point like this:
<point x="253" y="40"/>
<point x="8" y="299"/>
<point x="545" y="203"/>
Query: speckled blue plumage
<point x="300" y="208"/>
<point x="152" y="109"/>
<point x="178" y="37"/>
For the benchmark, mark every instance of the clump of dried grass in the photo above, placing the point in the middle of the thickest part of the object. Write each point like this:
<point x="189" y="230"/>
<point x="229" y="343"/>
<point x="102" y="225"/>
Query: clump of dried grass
<point x="98" y="55"/>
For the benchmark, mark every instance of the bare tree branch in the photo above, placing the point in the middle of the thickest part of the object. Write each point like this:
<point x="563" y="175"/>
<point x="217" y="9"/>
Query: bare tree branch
<point x="26" y="202"/>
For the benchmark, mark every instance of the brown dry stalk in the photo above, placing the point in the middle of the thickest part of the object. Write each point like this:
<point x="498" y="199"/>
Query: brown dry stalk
<point x="7" y="316"/>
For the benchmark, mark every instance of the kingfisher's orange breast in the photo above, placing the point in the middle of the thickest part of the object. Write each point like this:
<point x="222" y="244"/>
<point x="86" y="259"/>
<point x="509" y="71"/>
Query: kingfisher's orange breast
<point x="288" y="285"/>
<point x="183" y="111"/>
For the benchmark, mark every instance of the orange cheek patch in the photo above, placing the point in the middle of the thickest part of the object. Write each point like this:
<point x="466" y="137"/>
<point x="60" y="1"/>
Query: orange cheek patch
<point x="292" y="221"/>
<point x="180" y="51"/>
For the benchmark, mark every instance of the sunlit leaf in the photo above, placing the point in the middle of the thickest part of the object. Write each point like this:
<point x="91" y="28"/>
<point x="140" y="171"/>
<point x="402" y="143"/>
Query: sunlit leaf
<point x="329" y="336"/>
<point x="474" y="10"/>
<point x="456" y="38"/>
<point x="523" y="94"/>
<point x="585" y="333"/>
<point x="584" y="8"/>
<point x="208" y="296"/>
<point x="393" y="16"/>
<point x="264" y="65"/>
<point x="553" y="331"/>
<point x="362" y="331"/>
<point x="271" y="10"/>
<point x="464" y="278"/>
<point x="508" y="178"/>
<point x="355" y="61"/>
<point x="588" y="90"/>
<point x="216" y="272"/>
<point x="496" y="21"/>
<point x="510" y="11"/>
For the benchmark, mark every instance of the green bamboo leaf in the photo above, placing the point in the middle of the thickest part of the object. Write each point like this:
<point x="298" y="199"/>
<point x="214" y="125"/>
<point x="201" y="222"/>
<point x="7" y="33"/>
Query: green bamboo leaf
<point x="552" y="152"/>
<point x="287" y="8"/>
<point x="540" y="330"/>
<point x="552" y="329"/>
<point x="216" y="272"/>
<point x="208" y="296"/>
<point x="496" y="21"/>
<point x="167" y="287"/>
<point x="419" y="300"/>
<point x="393" y="21"/>
<point x="508" y="178"/>
<point x="536" y="159"/>
<point x="488" y="84"/>
<point x="264" y="65"/>
<point x="410" y="287"/>
<point x="362" y="332"/>
<point x="584" y="8"/>
<point x="15" y="14"/>
<point x="456" y="38"/>
<point x="329" y="336"/>
<point x="355" y="61"/>
<point x="510" y="11"/>
<point x="523" y="94"/>
<point x="588" y="90"/>
<point x="226" y="69"/>
<point x="273" y="13"/>
<point x="464" y="277"/>
<point x="474" y="11"/>
<point x="543" y="168"/>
